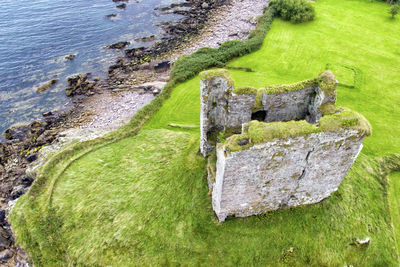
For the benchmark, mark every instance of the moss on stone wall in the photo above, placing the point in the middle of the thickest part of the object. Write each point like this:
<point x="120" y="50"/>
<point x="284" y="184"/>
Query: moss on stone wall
<point x="258" y="102"/>
<point x="327" y="82"/>
<point x="259" y="132"/>
<point x="247" y="90"/>
<point x="233" y="142"/>
<point x="284" y="88"/>
<point x="213" y="73"/>
<point x="347" y="119"/>
<point x="329" y="108"/>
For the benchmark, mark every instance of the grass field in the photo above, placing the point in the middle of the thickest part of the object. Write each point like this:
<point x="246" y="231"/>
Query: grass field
<point x="394" y="198"/>
<point x="144" y="200"/>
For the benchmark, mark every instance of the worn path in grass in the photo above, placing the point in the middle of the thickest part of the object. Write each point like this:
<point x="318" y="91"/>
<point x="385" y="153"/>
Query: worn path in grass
<point x="143" y="200"/>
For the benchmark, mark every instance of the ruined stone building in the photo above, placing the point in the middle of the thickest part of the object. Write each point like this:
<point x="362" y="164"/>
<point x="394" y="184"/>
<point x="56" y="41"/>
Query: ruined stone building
<point x="274" y="147"/>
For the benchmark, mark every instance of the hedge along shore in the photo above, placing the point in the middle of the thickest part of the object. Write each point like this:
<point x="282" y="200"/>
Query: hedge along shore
<point x="191" y="65"/>
<point x="233" y="21"/>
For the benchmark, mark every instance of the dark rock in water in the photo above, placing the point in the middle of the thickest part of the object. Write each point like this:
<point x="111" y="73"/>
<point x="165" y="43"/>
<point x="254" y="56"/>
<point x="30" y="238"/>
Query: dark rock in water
<point x="111" y="15"/>
<point x="43" y="87"/>
<point x="162" y="66"/>
<point x="135" y="52"/>
<point x="47" y="114"/>
<point x="117" y="1"/>
<point x="118" y="45"/>
<point x="146" y="39"/>
<point x="70" y="57"/>
<point x="31" y="158"/>
<point x="21" y="132"/>
<point x="79" y="85"/>
<point x="118" y="65"/>
<point x="121" y="6"/>
<point x="175" y="5"/>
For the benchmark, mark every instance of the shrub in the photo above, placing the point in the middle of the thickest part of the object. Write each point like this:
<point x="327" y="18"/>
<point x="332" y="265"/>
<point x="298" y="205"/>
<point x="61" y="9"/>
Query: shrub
<point x="296" y="11"/>
<point x="394" y="10"/>
<point x="188" y="66"/>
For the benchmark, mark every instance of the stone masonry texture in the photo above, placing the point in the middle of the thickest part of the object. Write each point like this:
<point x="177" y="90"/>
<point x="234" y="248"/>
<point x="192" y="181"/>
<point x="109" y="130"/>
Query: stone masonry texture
<point x="221" y="109"/>
<point x="285" y="171"/>
<point x="282" y="173"/>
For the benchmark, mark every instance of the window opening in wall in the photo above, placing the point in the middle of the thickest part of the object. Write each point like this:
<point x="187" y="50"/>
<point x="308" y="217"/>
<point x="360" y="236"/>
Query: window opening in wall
<point x="259" y="115"/>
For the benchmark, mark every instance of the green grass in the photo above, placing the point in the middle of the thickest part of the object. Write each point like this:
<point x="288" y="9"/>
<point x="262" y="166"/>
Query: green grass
<point x="144" y="199"/>
<point x="346" y="34"/>
<point x="394" y="193"/>
<point x="137" y="202"/>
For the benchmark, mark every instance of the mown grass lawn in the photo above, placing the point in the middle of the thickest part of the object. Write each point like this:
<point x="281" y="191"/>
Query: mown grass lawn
<point x="144" y="200"/>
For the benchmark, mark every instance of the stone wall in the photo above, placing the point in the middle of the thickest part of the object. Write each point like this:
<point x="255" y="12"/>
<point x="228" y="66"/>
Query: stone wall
<point x="297" y="153"/>
<point x="221" y="109"/>
<point x="282" y="172"/>
<point x="224" y="108"/>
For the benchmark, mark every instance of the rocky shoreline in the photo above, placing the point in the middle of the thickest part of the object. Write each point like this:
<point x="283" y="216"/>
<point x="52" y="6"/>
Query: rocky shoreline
<point x="102" y="106"/>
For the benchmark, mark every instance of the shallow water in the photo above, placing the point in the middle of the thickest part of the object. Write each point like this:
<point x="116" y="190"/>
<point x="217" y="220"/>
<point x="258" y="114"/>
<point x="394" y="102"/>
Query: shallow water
<point x="36" y="35"/>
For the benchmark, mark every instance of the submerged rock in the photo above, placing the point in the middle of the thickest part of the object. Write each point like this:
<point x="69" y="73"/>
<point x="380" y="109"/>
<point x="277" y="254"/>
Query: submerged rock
<point x="21" y="132"/>
<point x="111" y="15"/>
<point x="118" y="45"/>
<point x="44" y="86"/>
<point x="121" y="6"/>
<point x="146" y="39"/>
<point x="70" y="57"/>
<point x="135" y="53"/>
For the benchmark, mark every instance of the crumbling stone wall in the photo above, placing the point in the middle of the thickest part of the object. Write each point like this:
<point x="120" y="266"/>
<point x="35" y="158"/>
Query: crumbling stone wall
<point x="224" y="108"/>
<point x="297" y="153"/>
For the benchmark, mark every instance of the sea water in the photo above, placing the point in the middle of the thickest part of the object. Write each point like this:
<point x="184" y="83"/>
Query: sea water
<point x="36" y="35"/>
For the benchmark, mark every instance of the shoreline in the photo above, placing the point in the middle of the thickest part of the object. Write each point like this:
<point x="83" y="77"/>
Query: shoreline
<point x="127" y="89"/>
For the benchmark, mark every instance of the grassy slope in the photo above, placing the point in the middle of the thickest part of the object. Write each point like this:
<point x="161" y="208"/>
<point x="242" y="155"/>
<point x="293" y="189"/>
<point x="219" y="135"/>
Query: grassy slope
<point x="394" y="194"/>
<point x="144" y="199"/>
